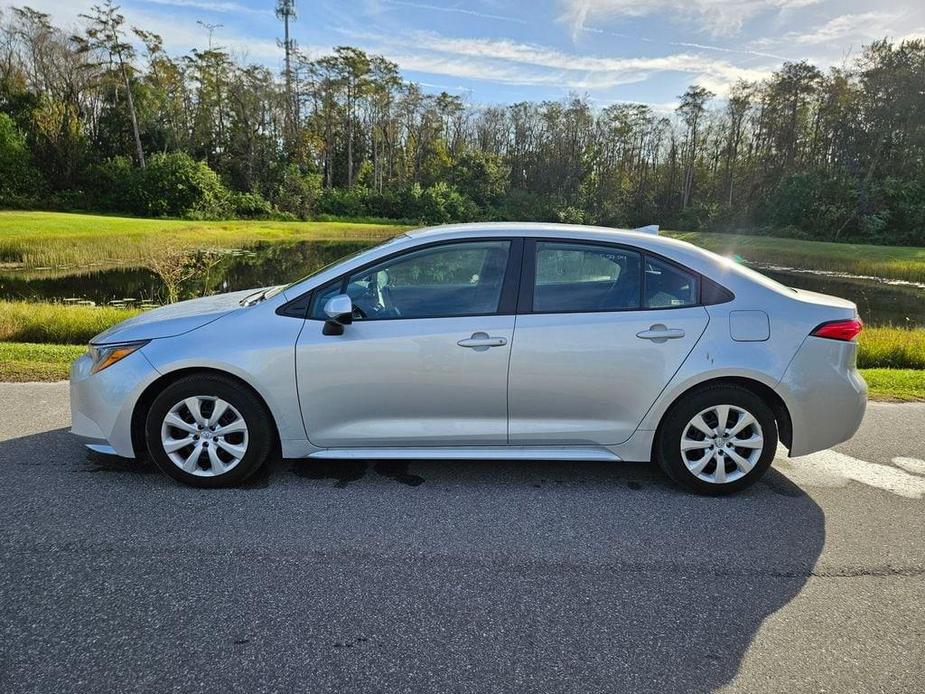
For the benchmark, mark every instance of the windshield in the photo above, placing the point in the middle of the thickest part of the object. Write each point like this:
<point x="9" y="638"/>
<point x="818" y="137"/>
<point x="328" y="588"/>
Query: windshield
<point x="341" y="260"/>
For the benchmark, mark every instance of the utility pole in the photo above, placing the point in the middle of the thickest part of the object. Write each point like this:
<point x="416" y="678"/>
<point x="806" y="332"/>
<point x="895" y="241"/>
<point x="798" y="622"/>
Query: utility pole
<point x="209" y="28"/>
<point x="285" y="11"/>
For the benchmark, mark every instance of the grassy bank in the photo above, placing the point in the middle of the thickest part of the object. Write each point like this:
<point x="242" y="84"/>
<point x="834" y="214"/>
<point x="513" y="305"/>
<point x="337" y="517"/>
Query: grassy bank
<point x="891" y="262"/>
<point x="50" y="323"/>
<point x="892" y="348"/>
<point x="900" y="385"/>
<point x="50" y="239"/>
<point x="20" y="362"/>
<point x="32" y="240"/>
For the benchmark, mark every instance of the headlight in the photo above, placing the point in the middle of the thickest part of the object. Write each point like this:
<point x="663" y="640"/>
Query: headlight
<point x="104" y="356"/>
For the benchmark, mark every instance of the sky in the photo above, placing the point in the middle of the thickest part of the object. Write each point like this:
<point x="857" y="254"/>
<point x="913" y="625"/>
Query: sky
<point x="498" y="52"/>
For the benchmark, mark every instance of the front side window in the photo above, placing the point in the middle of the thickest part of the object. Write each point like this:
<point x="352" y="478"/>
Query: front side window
<point x="669" y="287"/>
<point x="460" y="279"/>
<point x="574" y="277"/>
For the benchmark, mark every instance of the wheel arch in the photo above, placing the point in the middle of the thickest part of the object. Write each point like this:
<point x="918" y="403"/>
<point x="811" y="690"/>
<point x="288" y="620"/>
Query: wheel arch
<point x="151" y="391"/>
<point x="762" y="390"/>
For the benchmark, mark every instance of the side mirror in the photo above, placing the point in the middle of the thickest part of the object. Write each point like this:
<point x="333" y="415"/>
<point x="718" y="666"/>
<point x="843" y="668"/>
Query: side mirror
<point x="339" y="310"/>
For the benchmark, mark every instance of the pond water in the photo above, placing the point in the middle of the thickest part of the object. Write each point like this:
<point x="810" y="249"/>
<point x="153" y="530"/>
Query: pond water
<point x="879" y="302"/>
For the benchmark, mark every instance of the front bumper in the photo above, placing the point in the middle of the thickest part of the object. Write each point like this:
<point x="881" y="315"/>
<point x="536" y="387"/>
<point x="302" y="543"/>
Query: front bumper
<point x="825" y="394"/>
<point x="102" y="403"/>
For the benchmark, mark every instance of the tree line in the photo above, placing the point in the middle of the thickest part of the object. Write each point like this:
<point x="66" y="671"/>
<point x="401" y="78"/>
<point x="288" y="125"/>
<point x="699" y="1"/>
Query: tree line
<point x="105" y="119"/>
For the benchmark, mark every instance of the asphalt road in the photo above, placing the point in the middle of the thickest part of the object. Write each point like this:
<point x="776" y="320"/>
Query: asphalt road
<point x="458" y="576"/>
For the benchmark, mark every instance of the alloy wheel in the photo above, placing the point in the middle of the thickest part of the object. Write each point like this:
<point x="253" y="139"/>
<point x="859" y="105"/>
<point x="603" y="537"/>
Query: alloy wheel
<point x="721" y="444"/>
<point x="204" y="435"/>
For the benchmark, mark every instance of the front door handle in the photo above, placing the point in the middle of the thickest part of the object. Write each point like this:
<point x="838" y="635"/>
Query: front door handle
<point x="482" y="341"/>
<point x="660" y="333"/>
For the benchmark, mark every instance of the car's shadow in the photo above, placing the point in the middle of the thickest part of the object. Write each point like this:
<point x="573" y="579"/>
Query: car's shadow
<point x="586" y="575"/>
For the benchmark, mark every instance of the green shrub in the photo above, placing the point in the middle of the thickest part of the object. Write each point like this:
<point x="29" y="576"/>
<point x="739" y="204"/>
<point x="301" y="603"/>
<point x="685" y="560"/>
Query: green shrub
<point x="298" y="193"/>
<point x="250" y="205"/>
<point x="112" y="185"/>
<point x="441" y="203"/>
<point x="346" y="202"/>
<point x="20" y="182"/>
<point x="176" y="185"/>
<point x="570" y="215"/>
<point x="522" y="205"/>
<point x="480" y="176"/>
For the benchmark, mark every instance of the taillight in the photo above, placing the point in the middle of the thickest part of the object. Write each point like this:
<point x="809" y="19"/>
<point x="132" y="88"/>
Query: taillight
<point x="845" y="330"/>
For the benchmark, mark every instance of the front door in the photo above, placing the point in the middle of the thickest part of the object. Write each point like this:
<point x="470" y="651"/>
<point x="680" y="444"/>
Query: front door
<point x="603" y="329"/>
<point x="424" y="362"/>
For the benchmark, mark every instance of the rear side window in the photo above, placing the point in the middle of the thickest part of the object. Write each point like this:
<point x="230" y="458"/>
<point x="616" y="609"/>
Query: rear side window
<point x="576" y="277"/>
<point x="667" y="286"/>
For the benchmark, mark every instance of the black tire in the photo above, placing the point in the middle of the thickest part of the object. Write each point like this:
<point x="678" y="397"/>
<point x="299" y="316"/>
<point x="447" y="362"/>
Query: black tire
<point x="260" y="431"/>
<point x="667" y="448"/>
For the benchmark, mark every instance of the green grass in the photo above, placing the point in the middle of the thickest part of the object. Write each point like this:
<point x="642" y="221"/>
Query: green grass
<point x="31" y="362"/>
<point x="892" y="348"/>
<point x="54" y="239"/>
<point x="45" y="322"/>
<point x="891" y="262"/>
<point x="906" y="385"/>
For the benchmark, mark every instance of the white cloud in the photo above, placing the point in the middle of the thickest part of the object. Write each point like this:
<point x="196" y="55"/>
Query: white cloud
<point x="179" y="36"/>
<point x="454" y="10"/>
<point x="513" y="62"/>
<point x="832" y="40"/>
<point x="715" y="16"/>
<point x="685" y="44"/>
<point x="864" y="26"/>
<point x="209" y="6"/>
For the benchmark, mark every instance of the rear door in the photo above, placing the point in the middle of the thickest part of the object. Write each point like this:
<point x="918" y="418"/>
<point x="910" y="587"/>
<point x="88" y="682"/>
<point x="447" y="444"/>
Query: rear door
<point x="600" y="331"/>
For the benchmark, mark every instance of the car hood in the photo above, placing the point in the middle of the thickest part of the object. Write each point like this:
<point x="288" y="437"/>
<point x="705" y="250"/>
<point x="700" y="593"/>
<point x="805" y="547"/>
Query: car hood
<point x="174" y="319"/>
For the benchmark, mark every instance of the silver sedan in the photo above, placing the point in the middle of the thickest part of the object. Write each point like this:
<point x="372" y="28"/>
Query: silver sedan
<point x="484" y="341"/>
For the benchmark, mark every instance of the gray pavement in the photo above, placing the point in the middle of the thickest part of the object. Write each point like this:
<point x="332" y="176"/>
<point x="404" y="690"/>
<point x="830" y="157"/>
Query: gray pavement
<point x="463" y="576"/>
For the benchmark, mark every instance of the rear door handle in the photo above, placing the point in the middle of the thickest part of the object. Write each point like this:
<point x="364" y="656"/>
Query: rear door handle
<point x="482" y="341"/>
<point x="660" y="333"/>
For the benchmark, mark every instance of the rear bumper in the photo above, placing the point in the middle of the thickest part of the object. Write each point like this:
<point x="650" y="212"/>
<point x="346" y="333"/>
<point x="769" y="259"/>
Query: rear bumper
<point x="825" y="394"/>
<point x="102" y="403"/>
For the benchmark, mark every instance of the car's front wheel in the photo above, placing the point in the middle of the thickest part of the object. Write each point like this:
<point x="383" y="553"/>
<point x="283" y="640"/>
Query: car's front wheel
<point x="717" y="440"/>
<point x="208" y="431"/>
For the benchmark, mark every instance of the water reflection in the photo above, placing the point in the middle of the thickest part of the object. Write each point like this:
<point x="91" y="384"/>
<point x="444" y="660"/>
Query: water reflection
<point x="878" y="303"/>
<point x="264" y="264"/>
<point x="278" y="263"/>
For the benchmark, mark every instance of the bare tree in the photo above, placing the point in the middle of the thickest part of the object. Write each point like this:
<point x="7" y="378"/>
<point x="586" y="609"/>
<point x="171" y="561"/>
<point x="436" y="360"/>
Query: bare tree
<point x="691" y="109"/>
<point x="105" y="34"/>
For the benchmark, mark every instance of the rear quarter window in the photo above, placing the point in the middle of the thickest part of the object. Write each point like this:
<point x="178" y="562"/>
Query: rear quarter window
<point x="668" y="286"/>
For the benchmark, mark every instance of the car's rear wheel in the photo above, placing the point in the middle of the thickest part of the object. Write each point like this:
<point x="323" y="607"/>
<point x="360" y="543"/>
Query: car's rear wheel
<point x="717" y="440"/>
<point x="207" y="431"/>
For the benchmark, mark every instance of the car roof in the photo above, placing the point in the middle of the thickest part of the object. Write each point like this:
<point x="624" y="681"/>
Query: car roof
<point x="723" y="270"/>
<point x="519" y="229"/>
<point x="706" y="262"/>
<point x="641" y="239"/>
